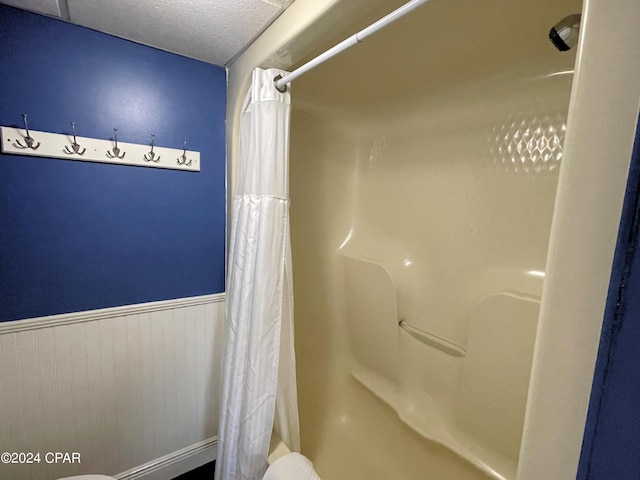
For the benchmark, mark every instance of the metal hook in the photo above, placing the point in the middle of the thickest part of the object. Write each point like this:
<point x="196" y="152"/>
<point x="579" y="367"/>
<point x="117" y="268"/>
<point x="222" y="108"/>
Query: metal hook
<point x="115" y="150"/>
<point x="75" y="147"/>
<point x="182" y="159"/>
<point x="30" y="142"/>
<point x="152" y="156"/>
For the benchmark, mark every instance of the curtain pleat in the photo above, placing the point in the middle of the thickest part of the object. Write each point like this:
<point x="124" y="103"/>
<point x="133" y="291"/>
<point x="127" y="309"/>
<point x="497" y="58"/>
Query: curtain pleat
<point x="259" y="358"/>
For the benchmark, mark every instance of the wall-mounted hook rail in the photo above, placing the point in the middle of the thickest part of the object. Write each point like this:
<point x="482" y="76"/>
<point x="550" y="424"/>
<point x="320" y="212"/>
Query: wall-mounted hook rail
<point x="115" y="151"/>
<point x="152" y="157"/>
<point x="75" y="147"/>
<point x="182" y="159"/>
<point x="28" y="140"/>
<point x="56" y="145"/>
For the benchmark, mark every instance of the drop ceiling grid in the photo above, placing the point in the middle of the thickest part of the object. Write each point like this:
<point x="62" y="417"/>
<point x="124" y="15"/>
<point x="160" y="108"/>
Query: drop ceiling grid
<point x="205" y="30"/>
<point x="213" y="31"/>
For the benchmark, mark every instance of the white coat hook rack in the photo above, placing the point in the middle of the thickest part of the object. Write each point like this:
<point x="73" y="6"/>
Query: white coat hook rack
<point x="71" y="147"/>
<point x="151" y="157"/>
<point x="115" y="152"/>
<point x="28" y="140"/>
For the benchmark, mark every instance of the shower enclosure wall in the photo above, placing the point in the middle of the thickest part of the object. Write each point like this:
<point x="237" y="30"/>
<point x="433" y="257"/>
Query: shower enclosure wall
<point x="427" y="203"/>
<point x="424" y="168"/>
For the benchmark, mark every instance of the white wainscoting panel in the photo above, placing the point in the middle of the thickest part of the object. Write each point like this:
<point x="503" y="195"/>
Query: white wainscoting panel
<point x="126" y="387"/>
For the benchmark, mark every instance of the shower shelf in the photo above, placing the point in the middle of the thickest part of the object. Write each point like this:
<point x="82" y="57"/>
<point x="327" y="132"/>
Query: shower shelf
<point x="433" y="340"/>
<point x="434" y="427"/>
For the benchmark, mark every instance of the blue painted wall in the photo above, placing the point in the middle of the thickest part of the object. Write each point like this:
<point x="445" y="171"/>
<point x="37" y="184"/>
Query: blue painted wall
<point x="78" y="236"/>
<point x="611" y="445"/>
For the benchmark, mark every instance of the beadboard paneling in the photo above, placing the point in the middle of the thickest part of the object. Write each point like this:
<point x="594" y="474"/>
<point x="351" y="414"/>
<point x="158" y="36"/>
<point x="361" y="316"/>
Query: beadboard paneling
<point x="122" y="386"/>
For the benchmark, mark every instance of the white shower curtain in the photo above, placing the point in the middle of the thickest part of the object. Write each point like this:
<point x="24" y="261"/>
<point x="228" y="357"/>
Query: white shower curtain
<point x="259" y="360"/>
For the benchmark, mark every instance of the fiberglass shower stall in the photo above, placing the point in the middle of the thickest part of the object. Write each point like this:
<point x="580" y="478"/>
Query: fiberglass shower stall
<point x="424" y="169"/>
<point x="422" y="186"/>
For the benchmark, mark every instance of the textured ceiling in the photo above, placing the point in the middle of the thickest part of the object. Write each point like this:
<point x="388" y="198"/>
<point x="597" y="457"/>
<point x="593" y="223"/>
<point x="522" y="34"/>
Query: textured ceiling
<point x="213" y="31"/>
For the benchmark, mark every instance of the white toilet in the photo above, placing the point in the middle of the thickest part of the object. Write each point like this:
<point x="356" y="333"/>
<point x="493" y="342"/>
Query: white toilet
<point x="292" y="466"/>
<point x="288" y="466"/>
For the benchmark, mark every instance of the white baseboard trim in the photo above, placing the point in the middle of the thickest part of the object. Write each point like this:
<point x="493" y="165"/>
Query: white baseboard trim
<point x="102" y="313"/>
<point x="174" y="464"/>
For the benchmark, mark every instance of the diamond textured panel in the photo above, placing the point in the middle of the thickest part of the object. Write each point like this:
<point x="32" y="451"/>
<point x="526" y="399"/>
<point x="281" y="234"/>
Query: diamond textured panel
<point x="529" y="143"/>
<point x="377" y="150"/>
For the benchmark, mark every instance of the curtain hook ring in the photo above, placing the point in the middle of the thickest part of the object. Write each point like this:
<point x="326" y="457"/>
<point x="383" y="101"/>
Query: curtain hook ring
<point x="275" y="83"/>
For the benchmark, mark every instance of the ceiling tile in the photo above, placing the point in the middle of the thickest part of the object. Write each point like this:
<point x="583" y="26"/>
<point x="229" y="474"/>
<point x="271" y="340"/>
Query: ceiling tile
<point x="47" y="7"/>
<point x="209" y="30"/>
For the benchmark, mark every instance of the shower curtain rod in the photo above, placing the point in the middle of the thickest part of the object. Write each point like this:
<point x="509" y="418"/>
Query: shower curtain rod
<point x="281" y="82"/>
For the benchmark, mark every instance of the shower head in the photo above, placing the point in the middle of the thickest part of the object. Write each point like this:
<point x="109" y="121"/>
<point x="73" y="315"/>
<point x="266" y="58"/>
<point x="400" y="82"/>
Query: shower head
<point x="564" y="34"/>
